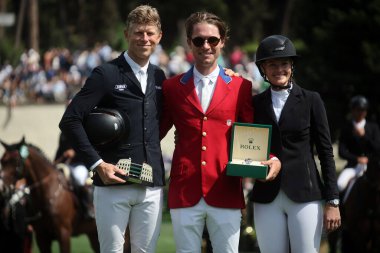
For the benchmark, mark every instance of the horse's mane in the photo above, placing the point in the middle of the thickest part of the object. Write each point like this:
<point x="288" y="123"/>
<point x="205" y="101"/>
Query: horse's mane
<point x="39" y="151"/>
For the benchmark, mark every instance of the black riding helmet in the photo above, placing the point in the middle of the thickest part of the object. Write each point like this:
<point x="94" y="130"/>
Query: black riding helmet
<point x="274" y="46"/>
<point x="106" y="127"/>
<point x="359" y="102"/>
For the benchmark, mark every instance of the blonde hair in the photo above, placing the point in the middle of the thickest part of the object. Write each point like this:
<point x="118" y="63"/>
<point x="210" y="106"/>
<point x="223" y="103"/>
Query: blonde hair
<point x="144" y="14"/>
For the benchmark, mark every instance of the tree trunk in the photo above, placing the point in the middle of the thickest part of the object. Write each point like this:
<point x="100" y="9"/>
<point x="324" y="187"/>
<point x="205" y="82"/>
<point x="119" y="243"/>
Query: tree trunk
<point x="3" y="8"/>
<point x="34" y="27"/>
<point x="20" y="23"/>
<point x="287" y="16"/>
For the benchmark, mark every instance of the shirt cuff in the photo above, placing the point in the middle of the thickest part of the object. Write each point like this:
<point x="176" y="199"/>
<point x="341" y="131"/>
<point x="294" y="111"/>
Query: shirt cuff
<point x="274" y="158"/>
<point x="96" y="164"/>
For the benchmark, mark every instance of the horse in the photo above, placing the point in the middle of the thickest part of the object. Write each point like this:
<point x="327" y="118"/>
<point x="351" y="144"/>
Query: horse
<point x="51" y="201"/>
<point x="15" y="234"/>
<point x="361" y="212"/>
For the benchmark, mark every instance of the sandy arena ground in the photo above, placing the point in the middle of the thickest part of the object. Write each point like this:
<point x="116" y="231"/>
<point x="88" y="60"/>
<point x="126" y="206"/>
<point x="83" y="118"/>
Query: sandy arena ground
<point x="39" y="125"/>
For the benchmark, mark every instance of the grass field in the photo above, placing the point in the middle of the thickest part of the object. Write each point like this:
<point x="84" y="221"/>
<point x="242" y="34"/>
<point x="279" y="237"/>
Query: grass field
<point x="165" y="242"/>
<point x="81" y="245"/>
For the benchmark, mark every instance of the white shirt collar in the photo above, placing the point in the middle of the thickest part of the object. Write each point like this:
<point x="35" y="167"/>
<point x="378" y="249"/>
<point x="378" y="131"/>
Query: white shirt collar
<point x="279" y="94"/>
<point x="213" y="76"/>
<point x="134" y="66"/>
<point x="279" y="98"/>
<point x="360" y="124"/>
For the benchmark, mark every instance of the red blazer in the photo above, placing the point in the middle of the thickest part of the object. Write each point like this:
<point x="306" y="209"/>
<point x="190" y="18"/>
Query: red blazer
<point x="203" y="145"/>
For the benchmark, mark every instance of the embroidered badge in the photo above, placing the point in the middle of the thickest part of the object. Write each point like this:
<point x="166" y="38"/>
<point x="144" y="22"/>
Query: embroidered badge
<point x="229" y="122"/>
<point x="121" y="87"/>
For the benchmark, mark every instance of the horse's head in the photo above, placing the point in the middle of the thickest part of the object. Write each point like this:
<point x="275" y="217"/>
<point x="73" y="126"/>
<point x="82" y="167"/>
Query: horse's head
<point x="12" y="163"/>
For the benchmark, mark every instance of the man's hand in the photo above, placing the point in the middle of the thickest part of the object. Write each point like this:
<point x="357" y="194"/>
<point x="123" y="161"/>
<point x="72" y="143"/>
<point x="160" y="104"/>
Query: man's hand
<point x="107" y="172"/>
<point x="362" y="160"/>
<point x="274" y="168"/>
<point x="69" y="154"/>
<point x="230" y="72"/>
<point x="359" y="131"/>
<point x="66" y="157"/>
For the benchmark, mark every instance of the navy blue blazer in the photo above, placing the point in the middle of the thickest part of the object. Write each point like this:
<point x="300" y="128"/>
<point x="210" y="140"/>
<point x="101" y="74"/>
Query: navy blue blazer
<point x="114" y="85"/>
<point x="302" y="125"/>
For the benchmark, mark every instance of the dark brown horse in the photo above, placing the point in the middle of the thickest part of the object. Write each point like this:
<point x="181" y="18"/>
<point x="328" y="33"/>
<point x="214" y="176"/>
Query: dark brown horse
<point x="52" y="204"/>
<point x="15" y="233"/>
<point x="361" y="212"/>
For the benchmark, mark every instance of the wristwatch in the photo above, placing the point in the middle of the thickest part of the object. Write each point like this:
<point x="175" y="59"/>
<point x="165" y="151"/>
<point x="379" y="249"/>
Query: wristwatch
<point x="333" y="202"/>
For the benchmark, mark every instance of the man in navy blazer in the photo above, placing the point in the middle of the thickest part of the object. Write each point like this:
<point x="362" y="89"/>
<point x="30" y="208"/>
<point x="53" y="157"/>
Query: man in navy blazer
<point x="132" y="86"/>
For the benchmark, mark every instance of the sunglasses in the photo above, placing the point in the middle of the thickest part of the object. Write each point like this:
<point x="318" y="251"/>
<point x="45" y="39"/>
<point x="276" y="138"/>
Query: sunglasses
<point x="199" y="41"/>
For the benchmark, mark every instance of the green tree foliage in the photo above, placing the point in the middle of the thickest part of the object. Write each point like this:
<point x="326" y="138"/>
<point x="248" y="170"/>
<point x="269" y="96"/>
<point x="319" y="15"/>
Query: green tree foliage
<point x="341" y="56"/>
<point x="74" y="24"/>
<point x="337" y="40"/>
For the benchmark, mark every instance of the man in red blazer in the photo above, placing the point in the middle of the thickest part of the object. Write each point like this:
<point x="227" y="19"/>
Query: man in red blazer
<point x="202" y="104"/>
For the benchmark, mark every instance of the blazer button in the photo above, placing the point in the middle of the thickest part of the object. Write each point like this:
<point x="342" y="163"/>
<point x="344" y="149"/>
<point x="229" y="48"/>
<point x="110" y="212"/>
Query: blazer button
<point x="205" y="118"/>
<point x="204" y="148"/>
<point x="203" y="163"/>
<point x="144" y="128"/>
<point x="204" y="133"/>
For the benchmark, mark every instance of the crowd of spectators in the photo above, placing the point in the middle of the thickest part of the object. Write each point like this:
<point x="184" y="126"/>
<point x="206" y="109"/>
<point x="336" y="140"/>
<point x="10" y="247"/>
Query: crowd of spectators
<point x="59" y="73"/>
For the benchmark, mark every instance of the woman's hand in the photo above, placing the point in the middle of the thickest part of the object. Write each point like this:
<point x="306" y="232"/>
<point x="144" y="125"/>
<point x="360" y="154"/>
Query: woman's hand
<point x="331" y="219"/>
<point x="274" y="168"/>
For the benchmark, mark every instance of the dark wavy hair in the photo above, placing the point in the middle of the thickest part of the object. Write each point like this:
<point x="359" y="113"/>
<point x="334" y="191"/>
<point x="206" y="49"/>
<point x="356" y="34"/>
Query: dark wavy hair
<point x="209" y="18"/>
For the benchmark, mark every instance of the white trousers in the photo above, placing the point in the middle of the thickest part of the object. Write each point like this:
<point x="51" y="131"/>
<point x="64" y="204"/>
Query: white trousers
<point x="80" y="173"/>
<point x="350" y="173"/>
<point x="136" y="205"/>
<point x="223" y="225"/>
<point x="284" y="221"/>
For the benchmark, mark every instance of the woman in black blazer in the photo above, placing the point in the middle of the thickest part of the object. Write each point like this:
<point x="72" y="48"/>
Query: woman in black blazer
<point x="290" y="209"/>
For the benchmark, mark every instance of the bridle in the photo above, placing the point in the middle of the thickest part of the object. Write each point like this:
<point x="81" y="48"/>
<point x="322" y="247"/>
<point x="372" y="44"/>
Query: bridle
<point x="21" y="155"/>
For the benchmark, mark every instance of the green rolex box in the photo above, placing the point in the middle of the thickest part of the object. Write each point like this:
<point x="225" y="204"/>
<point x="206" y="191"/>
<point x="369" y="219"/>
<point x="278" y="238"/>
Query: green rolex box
<point x="250" y="145"/>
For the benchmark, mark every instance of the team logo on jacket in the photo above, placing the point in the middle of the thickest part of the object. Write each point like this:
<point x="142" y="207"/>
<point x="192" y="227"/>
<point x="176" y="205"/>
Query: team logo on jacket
<point x="121" y="87"/>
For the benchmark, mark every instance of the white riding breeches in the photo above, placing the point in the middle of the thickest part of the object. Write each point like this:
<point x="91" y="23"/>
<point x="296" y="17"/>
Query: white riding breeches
<point x="348" y="174"/>
<point x="80" y="173"/>
<point x="223" y="226"/>
<point x="135" y="205"/>
<point x="283" y="221"/>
